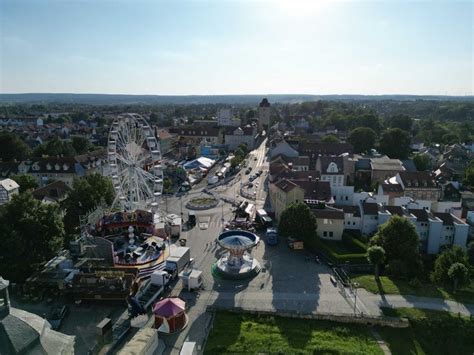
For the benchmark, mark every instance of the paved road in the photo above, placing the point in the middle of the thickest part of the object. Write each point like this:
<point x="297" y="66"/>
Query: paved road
<point x="288" y="280"/>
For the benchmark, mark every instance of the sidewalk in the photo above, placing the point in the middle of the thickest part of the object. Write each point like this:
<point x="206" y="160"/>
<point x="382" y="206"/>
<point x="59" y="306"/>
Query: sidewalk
<point x="373" y="302"/>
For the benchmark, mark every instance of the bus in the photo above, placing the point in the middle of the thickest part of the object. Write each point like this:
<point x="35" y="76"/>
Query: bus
<point x="263" y="220"/>
<point x="271" y="236"/>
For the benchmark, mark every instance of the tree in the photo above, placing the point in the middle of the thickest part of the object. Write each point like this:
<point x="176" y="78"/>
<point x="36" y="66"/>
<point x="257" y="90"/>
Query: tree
<point x="399" y="239"/>
<point x="362" y="139"/>
<point x="469" y="175"/>
<point x="422" y="162"/>
<point x="31" y="233"/>
<point x="470" y="253"/>
<point x="330" y="138"/>
<point x="81" y="144"/>
<point x="297" y="220"/>
<point x="26" y="182"/>
<point x="167" y="185"/>
<point x="459" y="274"/>
<point x="86" y="194"/>
<point x="12" y="148"/>
<point x="376" y="256"/>
<point x="444" y="261"/>
<point x="54" y="147"/>
<point x="395" y="142"/>
<point x="401" y="121"/>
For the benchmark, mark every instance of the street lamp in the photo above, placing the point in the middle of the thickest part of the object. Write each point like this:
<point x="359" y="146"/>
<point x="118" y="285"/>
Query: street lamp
<point x="356" y="285"/>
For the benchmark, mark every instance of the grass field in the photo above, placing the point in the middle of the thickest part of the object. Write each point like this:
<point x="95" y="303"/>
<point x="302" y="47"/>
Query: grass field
<point x="247" y="334"/>
<point x="402" y="287"/>
<point x="430" y="332"/>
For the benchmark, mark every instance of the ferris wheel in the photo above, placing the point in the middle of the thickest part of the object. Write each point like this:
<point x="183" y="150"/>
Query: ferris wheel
<point x="135" y="163"/>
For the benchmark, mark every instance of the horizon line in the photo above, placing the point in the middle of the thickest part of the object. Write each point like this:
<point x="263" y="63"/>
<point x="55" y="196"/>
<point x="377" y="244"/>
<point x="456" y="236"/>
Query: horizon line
<point x="258" y="94"/>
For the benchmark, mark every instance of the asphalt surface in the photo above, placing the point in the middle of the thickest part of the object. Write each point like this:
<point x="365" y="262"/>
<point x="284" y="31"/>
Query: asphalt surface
<point x="289" y="281"/>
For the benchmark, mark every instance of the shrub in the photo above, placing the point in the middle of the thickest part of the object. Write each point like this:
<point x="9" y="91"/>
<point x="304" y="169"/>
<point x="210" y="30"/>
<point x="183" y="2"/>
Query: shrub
<point x="415" y="283"/>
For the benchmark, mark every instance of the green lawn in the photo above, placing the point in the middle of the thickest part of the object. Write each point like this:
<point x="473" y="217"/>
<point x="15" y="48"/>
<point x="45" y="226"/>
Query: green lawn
<point x="430" y="332"/>
<point x="248" y="334"/>
<point x="393" y="286"/>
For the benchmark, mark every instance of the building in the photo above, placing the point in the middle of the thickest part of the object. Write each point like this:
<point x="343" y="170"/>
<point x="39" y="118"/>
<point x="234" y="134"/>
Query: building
<point x="383" y="168"/>
<point x="264" y="113"/>
<point x="283" y="193"/>
<point x="22" y="332"/>
<point x="418" y="185"/>
<point x="352" y="217"/>
<point x="225" y="118"/>
<point x="330" y="222"/>
<point x="8" y="188"/>
<point x="331" y="169"/>
<point x="237" y="136"/>
<point x="53" y="192"/>
<point x="166" y="139"/>
<point x="314" y="149"/>
<point x="196" y="134"/>
<point x="369" y="217"/>
<point x="435" y="229"/>
<point x="281" y="147"/>
<point x="45" y="170"/>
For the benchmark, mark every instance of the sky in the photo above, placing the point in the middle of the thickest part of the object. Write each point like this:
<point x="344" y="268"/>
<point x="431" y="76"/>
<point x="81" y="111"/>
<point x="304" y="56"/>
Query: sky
<point x="237" y="47"/>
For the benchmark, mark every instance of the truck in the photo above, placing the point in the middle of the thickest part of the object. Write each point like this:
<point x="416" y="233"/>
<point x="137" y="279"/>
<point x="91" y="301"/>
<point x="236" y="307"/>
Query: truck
<point x="179" y="258"/>
<point x="263" y="220"/>
<point x="153" y="288"/>
<point x="271" y="236"/>
<point x="173" y="223"/>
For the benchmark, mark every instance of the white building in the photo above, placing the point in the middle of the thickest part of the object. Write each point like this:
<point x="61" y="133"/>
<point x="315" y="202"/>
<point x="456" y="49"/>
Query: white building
<point x="238" y="136"/>
<point x="331" y="169"/>
<point x="8" y="188"/>
<point x="435" y="229"/>
<point x="225" y="118"/>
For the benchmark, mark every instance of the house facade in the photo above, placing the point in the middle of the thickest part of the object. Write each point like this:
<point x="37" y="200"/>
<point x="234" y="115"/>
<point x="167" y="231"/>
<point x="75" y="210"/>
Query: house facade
<point x="8" y="189"/>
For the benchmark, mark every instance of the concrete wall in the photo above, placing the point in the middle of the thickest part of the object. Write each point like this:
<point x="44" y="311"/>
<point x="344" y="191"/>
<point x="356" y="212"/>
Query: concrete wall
<point x="434" y="237"/>
<point x="351" y="222"/>
<point x="461" y="232"/>
<point x="330" y="229"/>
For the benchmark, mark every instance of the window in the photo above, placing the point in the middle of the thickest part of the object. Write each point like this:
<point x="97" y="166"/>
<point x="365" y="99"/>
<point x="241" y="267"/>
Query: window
<point x="325" y="221"/>
<point x="347" y="198"/>
<point x="330" y="234"/>
<point x="325" y="234"/>
<point x="353" y="223"/>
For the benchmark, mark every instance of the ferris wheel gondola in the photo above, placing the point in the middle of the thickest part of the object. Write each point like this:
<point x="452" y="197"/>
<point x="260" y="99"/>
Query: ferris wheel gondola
<point x="134" y="158"/>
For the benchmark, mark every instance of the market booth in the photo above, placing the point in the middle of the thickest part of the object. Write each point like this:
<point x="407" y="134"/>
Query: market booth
<point x="170" y="315"/>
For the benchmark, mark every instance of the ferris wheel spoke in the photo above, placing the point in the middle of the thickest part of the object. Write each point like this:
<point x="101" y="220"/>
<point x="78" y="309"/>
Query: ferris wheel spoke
<point x="134" y="184"/>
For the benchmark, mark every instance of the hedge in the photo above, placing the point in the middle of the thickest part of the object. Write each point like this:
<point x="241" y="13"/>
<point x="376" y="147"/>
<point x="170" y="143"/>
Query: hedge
<point x="352" y="258"/>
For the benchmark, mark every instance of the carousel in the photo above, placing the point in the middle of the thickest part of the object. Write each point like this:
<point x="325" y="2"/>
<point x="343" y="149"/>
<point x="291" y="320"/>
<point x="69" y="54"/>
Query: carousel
<point x="237" y="262"/>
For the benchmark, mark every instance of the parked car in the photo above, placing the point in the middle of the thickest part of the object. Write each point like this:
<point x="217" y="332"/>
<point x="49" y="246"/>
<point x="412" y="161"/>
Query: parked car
<point x="250" y="185"/>
<point x="247" y="171"/>
<point x="56" y="316"/>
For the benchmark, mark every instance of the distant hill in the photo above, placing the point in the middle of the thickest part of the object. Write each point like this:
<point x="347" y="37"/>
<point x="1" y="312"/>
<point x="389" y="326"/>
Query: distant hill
<point x="105" y="99"/>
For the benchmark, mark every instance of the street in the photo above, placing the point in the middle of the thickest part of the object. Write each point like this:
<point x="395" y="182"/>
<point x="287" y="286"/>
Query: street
<point x="288" y="281"/>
